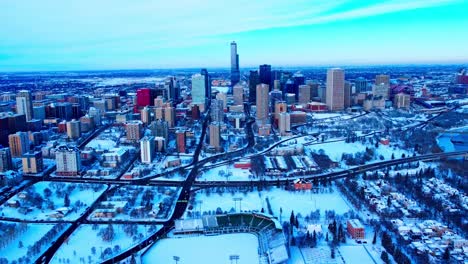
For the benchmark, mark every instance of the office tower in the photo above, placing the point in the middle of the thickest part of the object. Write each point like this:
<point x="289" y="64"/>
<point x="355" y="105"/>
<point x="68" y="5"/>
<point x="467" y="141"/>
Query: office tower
<point x="6" y="162"/>
<point x="235" y="73"/>
<point x="216" y="110"/>
<point x="298" y="80"/>
<point x="159" y="113"/>
<point x="314" y="86"/>
<point x="145" y="97"/>
<point x="147" y="114"/>
<point x="160" y="128"/>
<point x="158" y="101"/>
<point x="284" y="123"/>
<point x="68" y="161"/>
<point x="169" y="116"/>
<point x="380" y="90"/>
<point x="254" y="80"/>
<point x="304" y="94"/>
<point x="265" y="74"/>
<point x="171" y="89"/>
<point x="134" y="130"/>
<point x="215" y="135"/>
<point x="24" y="104"/>
<point x="222" y="97"/>
<point x="32" y="162"/>
<point x="111" y="102"/>
<point x="147" y="147"/>
<point x="36" y="138"/>
<point x="19" y="143"/>
<point x="238" y="93"/>
<point x="277" y="85"/>
<point x="96" y="114"/>
<point x="361" y="85"/>
<point x="63" y="111"/>
<point x="262" y="102"/>
<point x="198" y="89"/>
<point x="39" y="112"/>
<point x="382" y="78"/>
<point x="180" y="140"/>
<point x="402" y="100"/>
<point x="204" y="72"/>
<point x="335" y="89"/>
<point x="76" y="111"/>
<point x="73" y="129"/>
<point x="347" y="94"/>
<point x="280" y="107"/>
<point x="275" y="96"/>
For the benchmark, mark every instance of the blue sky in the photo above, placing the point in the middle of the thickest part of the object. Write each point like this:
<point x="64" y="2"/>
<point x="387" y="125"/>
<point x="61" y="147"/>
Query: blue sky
<point x="122" y="34"/>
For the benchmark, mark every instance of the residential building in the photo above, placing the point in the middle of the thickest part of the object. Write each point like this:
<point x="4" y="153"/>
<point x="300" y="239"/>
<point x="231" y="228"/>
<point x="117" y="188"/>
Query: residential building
<point x="32" y="162"/>
<point x="68" y="161"/>
<point x="147" y="148"/>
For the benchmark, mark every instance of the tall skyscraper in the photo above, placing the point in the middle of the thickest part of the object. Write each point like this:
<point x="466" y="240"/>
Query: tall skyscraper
<point x="238" y="94"/>
<point x="73" y="129"/>
<point x="216" y="111"/>
<point x="254" y="80"/>
<point x="335" y="89"/>
<point x="265" y="74"/>
<point x="262" y="102"/>
<point x="361" y="85"/>
<point x="304" y="94"/>
<point x="24" y="104"/>
<point x="6" y="162"/>
<point x="198" y="89"/>
<point x="382" y="78"/>
<point x="347" y="94"/>
<point x="147" y="147"/>
<point x="19" y="143"/>
<point x="32" y="162"/>
<point x="204" y="72"/>
<point x="215" y="135"/>
<point x="380" y="90"/>
<point x="235" y="73"/>
<point x="145" y="97"/>
<point x="68" y="161"/>
<point x="284" y="123"/>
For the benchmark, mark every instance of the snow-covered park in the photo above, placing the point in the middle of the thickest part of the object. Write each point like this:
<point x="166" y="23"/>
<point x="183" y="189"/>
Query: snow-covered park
<point x="205" y="249"/>
<point x="27" y="241"/>
<point x="95" y="243"/>
<point x="52" y="201"/>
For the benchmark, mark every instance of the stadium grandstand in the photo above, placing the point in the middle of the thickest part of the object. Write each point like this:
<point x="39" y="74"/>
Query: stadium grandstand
<point x="272" y="242"/>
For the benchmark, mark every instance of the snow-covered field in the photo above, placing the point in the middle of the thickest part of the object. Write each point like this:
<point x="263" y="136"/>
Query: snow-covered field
<point x="36" y="205"/>
<point x="18" y="246"/>
<point x="356" y="255"/>
<point x="303" y="202"/>
<point x="335" y="150"/>
<point x="86" y="245"/>
<point x="225" y="173"/>
<point x="205" y="249"/>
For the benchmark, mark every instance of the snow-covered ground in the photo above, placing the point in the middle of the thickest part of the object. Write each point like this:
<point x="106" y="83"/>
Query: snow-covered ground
<point x="356" y="255"/>
<point x="335" y="150"/>
<point x="79" y="246"/>
<point x="18" y="246"/>
<point x="101" y="144"/>
<point x="136" y="203"/>
<point x="81" y="196"/>
<point x="205" y="249"/>
<point x="226" y="173"/>
<point x="303" y="202"/>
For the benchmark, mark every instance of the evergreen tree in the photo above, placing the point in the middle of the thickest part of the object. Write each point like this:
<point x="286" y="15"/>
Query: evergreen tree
<point x="374" y="240"/>
<point x="446" y="255"/>
<point x="384" y="257"/>
<point x="292" y="219"/>
<point x="66" y="200"/>
<point x="333" y="253"/>
<point x="326" y="237"/>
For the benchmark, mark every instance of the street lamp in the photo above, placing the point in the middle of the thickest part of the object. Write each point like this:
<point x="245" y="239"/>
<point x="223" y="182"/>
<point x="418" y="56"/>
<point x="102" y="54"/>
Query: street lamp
<point x="176" y="258"/>
<point x="234" y="257"/>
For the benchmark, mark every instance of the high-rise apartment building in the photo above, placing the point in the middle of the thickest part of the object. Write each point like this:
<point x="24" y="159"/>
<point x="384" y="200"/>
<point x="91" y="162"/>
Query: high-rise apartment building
<point x="147" y="148"/>
<point x="380" y="90"/>
<point x="32" y="162"/>
<point x="284" y="123"/>
<point x="304" y="94"/>
<point x="216" y="111"/>
<point x="238" y="94"/>
<point x="134" y="130"/>
<point x="335" y="89"/>
<point x="68" y="161"/>
<point x="180" y="140"/>
<point x="73" y="129"/>
<point x="215" y="135"/>
<point x="24" y="104"/>
<point x="19" y="144"/>
<point x="6" y="162"/>
<point x="402" y="100"/>
<point x="382" y="78"/>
